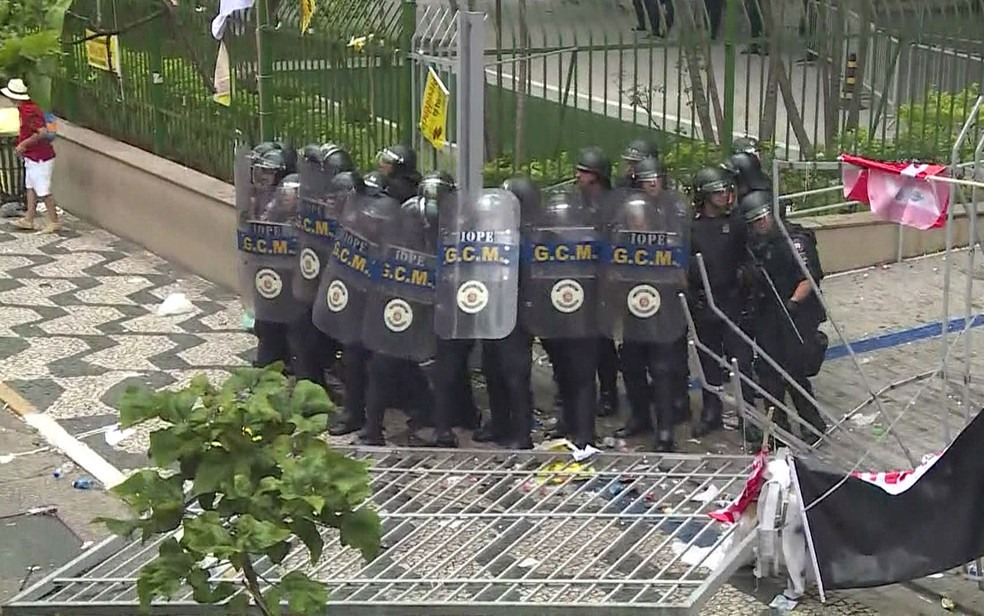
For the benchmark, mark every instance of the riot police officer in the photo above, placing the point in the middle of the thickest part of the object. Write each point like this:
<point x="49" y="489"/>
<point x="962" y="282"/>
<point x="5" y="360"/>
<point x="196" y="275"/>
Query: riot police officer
<point x="593" y="175"/>
<point x="398" y="163"/>
<point x="477" y="299"/>
<point x="399" y="326"/>
<point x="651" y="179"/>
<point x="558" y="293"/>
<point x="790" y="314"/>
<point x="643" y="263"/>
<point x="314" y="351"/>
<point x="343" y="294"/>
<point x="267" y="204"/>
<point x="720" y="236"/>
<point x="634" y="153"/>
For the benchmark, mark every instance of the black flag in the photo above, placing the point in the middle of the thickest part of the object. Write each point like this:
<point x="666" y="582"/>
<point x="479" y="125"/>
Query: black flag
<point x="892" y="527"/>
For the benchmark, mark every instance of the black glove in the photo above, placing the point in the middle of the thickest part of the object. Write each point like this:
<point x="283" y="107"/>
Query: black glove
<point x="792" y="307"/>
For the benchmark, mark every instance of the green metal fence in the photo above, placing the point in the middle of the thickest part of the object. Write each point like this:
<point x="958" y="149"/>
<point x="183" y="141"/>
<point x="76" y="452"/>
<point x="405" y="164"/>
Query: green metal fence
<point x="892" y="78"/>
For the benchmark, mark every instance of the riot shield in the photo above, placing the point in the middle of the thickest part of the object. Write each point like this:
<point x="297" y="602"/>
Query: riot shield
<point x="352" y="268"/>
<point x="317" y="224"/>
<point x="559" y="259"/>
<point x="478" y="267"/>
<point x="267" y="239"/>
<point x="400" y="308"/>
<point x="644" y="260"/>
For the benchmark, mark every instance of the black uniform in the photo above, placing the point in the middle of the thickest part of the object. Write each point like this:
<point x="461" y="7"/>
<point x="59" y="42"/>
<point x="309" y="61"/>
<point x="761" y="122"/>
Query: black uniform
<point x="787" y="330"/>
<point x="721" y="237"/>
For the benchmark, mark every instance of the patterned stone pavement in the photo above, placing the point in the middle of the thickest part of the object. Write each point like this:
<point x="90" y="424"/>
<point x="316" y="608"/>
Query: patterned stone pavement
<point x="78" y="324"/>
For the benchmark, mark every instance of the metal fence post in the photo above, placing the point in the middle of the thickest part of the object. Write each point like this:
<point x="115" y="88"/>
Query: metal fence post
<point x="264" y="70"/>
<point x="157" y="86"/>
<point x="730" y="37"/>
<point x="471" y="100"/>
<point x="408" y="26"/>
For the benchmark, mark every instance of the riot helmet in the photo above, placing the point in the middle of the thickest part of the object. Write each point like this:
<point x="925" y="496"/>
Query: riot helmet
<point x="289" y="193"/>
<point x="757" y="209"/>
<point x="335" y="159"/>
<point x="433" y="190"/>
<point x="526" y="191"/>
<point x="637" y="151"/>
<point x="747" y="172"/>
<point x="269" y="167"/>
<point x="593" y="167"/>
<point x="746" y="145"/>
<point x="397" y="160"/>
<point x="640" y="149"/>
<point x="375" y="183"/>
<point x="715" y="186"/>
<point x="262" y="148"/>
<point x="651" y="174"/>
<point x="348" y="181"/>
<point x="311" y="153"/>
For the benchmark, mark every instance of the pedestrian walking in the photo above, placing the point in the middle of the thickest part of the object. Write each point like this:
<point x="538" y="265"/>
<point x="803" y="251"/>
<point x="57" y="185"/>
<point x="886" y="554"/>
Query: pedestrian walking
<point x="34" y="146"/>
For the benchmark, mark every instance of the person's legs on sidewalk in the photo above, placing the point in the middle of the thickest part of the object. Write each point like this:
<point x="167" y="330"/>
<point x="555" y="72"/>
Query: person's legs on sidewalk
<point x="37" y="181"/>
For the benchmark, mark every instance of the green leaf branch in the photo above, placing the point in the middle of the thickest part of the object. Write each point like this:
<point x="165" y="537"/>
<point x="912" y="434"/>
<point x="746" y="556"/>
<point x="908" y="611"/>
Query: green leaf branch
<point x="242" y="475"/>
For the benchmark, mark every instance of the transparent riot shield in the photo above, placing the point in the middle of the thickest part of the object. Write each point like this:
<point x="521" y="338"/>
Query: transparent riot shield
<point x="400" y="309"/>
<point x="559" y="263"/>
<point x="644" y="260"/>
<point x="478" y="267"/>
<point x="340" y="306"/>
<point x="269" y="245"/>
<point x="317" y="224"/>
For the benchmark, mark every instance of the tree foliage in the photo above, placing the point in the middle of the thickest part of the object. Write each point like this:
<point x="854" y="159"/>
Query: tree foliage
<point x="250" y="478"/>
<point x="30" y="32"/>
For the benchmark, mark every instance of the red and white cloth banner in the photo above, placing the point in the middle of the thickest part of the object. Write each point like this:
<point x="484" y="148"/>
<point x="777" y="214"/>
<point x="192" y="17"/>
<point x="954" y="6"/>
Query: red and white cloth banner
<point x="892" y="482"/>
<point x="897" y="192"/>
<point x="749" y="494"/>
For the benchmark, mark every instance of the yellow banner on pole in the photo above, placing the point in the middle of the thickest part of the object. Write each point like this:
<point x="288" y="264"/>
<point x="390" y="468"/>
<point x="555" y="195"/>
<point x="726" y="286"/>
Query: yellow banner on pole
<point x="434" y="111"/>
<point x="103" y="52"/>
<point x="307" y="12"/>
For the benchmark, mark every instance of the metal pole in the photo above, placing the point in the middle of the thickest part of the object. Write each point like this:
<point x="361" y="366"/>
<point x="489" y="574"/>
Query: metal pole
<point x="471" y="101"/>
<point x="730" y="34"/>
<point x="408" y="26"/>
<point x="970" y="209"/>
<point x="264" y="70"/>
<point x="157" y="85"/>
<point x="947" y="272"/>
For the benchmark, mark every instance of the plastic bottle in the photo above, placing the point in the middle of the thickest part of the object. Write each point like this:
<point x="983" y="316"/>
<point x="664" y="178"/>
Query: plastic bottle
<point x="83" y="484"/>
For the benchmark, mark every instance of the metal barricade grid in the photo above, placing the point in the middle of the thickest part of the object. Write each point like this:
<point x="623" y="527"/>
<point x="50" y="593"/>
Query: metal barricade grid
<point x="469" y="532"/>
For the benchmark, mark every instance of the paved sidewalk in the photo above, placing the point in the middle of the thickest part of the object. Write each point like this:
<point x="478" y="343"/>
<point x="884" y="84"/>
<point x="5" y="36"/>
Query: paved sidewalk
<point x="78" y="324"/>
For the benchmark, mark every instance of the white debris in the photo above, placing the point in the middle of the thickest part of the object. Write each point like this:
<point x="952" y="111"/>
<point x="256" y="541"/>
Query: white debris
<point x="174" y="304"/>
<point x="115" y="436"/>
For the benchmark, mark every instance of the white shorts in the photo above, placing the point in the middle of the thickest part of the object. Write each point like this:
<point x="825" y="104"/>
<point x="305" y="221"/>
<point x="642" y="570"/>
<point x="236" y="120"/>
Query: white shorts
<point x="37" y="176"/>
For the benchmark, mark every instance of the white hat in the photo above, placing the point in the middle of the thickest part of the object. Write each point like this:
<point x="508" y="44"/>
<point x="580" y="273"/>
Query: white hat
<point x="15" y="90"/>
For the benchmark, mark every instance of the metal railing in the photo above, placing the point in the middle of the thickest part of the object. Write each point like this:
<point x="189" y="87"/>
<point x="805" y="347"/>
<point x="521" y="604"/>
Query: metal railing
<point x="559" y="74"/>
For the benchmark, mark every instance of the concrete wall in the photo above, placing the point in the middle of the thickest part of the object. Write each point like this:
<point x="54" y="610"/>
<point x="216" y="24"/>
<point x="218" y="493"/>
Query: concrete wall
<point x="188" y="218"/>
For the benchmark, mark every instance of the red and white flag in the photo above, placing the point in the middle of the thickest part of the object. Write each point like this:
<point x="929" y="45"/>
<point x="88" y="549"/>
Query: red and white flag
<point x="898" y="192"/>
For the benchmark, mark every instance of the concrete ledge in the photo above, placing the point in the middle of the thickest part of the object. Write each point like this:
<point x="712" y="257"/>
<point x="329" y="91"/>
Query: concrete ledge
<point x="175" y="212"/>
<point x="189" y="218"/>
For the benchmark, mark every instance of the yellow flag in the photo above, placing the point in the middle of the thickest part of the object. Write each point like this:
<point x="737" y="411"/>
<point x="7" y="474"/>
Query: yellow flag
<point x="434" y="111"/>
<point x="307" y="11"/>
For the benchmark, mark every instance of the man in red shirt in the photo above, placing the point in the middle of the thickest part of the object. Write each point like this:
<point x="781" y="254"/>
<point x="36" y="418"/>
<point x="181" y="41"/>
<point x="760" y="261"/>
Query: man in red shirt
<point x="34" y="145"/>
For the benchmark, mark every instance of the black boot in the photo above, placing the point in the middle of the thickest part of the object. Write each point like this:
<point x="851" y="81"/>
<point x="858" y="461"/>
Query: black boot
<point x="372" y="438"/>
<point x="445" y="439"/>
<point x="635" y="426"/>
<point x="710" y="416"/>
<point x="664" y="442"/>
<point x="492" y="431"/>
<point x="347" y="424"/>
<point x="608" y="403"/>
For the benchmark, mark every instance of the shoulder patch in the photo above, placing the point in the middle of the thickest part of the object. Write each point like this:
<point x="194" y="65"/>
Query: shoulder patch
<point x="800" y="247"/>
